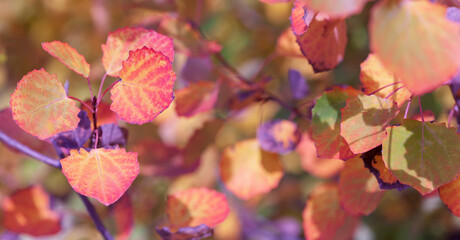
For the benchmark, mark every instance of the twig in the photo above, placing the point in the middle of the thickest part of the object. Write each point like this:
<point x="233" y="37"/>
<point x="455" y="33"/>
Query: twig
<point x="388" y="85"/>
<point x="92" y="212"/>
<point x="83" y="103"/>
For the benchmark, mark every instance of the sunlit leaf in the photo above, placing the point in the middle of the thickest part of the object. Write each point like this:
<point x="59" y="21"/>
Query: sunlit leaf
<point x="196" y="98"/>
<point x="286" y="45"/>
<point x="423" y="155"/>
<point x="196" y="206"/>
<point x="324" y="41"/>
<point x="68" y="56"/>
<point x="374" y="76"/>
<point x="28" y="211"/>
<point x="359" y="191"/>
<point x="422" y="63"/>
<point x="364" y="119"/>
<point x="326" y="123"/>
<point x="249" y="171"/>
<point x="336" y="8"/>
<point x="324" y="218"/>
<point x="122" y="212"/>
<point x="450" y="195"/>
<point x="279" y="136"/>
<point x="41" y="107"/>
<point x="145" y="89"/>
<point x="103" y="174"/>
<point x="121" y="42"/>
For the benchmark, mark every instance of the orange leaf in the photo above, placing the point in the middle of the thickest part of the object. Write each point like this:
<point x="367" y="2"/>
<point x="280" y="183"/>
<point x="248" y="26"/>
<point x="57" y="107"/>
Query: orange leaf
<point x="28" y="211"/>
<point x="103" y="174"/>
<point x="286" y="45"/>
<point x="41" y="107"/>
<point x="422" y="63"/>
<point x="196" y="98"/>
<point x="68" y="56"/>
<point x="123" y="214"/>
<point x="336" y="8"/>
<point x="323" y="44"/>
<point x="358" y="189"/>
<point x="450" y="195"/>
<point x="121" y="42"/>
<point x="145" y="89"/>
<point x="196" y="206"/>
<point x="249" y="171"/>
<point x="300" y="18"/>
<point x="324" y="218"/>
<point x="374" y="76"/>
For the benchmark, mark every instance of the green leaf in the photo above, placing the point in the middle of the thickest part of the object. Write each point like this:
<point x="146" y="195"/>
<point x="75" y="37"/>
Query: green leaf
<point x="423" y="155"/>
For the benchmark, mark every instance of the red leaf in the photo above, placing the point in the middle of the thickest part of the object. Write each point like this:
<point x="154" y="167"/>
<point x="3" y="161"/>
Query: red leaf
<point x="68" y="56"/>
<point x="28" y="211"/>
<point x="450" y="195"/>
<point x="196" y="206"/>
<point x="145" y="89"/>
<point x="300" y="18"/>
<point x="123" y="215"/>
<point x="121" y="42"/>
<point x="104" y="114"/>
<point x="103" y="174"/>
<point x="196" y="98"/>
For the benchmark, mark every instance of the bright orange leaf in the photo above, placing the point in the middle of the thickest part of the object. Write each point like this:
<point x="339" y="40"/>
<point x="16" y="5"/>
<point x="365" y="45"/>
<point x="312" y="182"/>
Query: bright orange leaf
<point x="145" y="89"/>
<point x="450" y="195"/>
<point x="121" y="42"/>
<point x="324" y="218"/>
<point x="286" y="45"/>
<point x="422" y="63"/>
<point x="196" y="98"/>
<point x="103" y="174"/>
<point x="68" y="56"/>
<point x="359" y="190"/>
<point x="374" y="76"/>
<point x="196" y="206"/>
<point x="41" y="107"/>
<point x="28" y="211"/>
<point x="323" y="44"/>
<point x="336" y="8"/>
<point x="249" y="171"/>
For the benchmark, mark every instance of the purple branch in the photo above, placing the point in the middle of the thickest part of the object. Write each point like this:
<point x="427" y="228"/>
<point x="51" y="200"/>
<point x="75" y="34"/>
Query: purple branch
<point x="92" y="212"/>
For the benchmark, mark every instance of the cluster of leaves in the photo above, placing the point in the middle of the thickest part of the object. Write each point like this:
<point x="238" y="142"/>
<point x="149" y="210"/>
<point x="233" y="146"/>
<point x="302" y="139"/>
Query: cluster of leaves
<point x="362" y="136"/>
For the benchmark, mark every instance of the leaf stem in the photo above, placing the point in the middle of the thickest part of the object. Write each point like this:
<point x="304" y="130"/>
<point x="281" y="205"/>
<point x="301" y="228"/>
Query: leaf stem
<point x="389" y="95"/>
<point x="90" y="89"/>
<point x="83" y="103"/>
<point x="388" y="85"/>
<point x="407" y="108"/>
<point x="100" y="87"/>
<point x="99" y="99"/>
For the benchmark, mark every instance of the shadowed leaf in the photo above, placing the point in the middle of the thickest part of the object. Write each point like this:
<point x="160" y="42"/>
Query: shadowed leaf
<point x="112" y="135"/>
<point x="74" y="139"/>
<point x="279" y="136"/>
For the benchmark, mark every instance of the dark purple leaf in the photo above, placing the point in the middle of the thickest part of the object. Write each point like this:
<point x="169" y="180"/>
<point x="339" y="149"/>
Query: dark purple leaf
<point x="112" y="135"/>
<point x="74" y="139"/>
<point x="280" y="136"/>
<point x="298" y="85"/>
<point x="453" y="14"/>
<point x="197" y="69"/>
<point x="186" y="233"/>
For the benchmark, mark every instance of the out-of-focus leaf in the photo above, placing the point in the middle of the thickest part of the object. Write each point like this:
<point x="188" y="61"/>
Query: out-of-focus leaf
<point x="286" y="45"/>
<point x="450" y="195"/>
<point x="279" y="136"/>
<point x="453" y="14"/>
<point x="196" y="98"/>
<point x="112" y="135"/>
<point x="274" y="1"/>
<point x="122" y="212"/>
<point x="298" y="85"/>
<point x="197" y="69"/>
<point x="74" y="139"/>
<point x="186" y="233"/>
<point x="336" y="8"/>
<point x="68" y="56"/>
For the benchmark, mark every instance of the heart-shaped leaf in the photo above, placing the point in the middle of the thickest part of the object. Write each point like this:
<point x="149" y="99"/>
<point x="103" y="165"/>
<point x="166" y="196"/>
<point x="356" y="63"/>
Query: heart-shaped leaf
<point x="68" y="56"/>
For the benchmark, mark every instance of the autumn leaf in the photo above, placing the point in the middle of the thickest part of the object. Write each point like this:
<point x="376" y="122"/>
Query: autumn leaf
<point x="186" y="233"/>
<point x="364" y="119"/>
<point x="376" y="79"/>
<point x="421" y="63"/>
<point x="359" y="191"/>
<point x="68" y="56"/>
<point x="122" y="212"/>
<point x="279" y="136"/>
<point x="145" y="88"/>
<point x="28" y="211"/>
<point x="103" y="174"/>
<point x="300" y="18"/>
<point x="196" y="206"/>
<point x="450" y="195"/>
<point x="336" y="8"/>
<point x="121" y="42"/>
<point x="423" y="155"/>
<point x="196" y="98"/>
<point x="286" y="45"/>
<point x="40" y="105"/>
<point x="324" y="218"/>
<point x="249" y="171"/>
<point x="326" y="118"/>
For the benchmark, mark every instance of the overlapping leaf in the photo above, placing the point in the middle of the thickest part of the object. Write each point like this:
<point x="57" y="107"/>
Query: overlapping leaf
<point x="324" y="218"/>
<point x="326" y="124"/>
<point x="41" y="107"/>
<point x="196" y="206"/>
<point x="249" y="171"/>
<point x="423" y="155"/>
<point x="450" y="195"/>
<point x="145" y="89"/>
<point x="104" y="114"/>
<point x="364" y="119"/>
<point x="28" y="211"/>
<point x="358" y="189"/>
<point x="374" y="76"/>
<point x="103" y="174"/>
<point x="300" y="18"/>
<point x="68" y="56"/>
<point x="336" y="8"/>
<point x="121" y="42"/>
<point x="112" y="135"/>
<point x="196" y="98"/>
<point x="423" y="64"/>
<point x="74" y="139"/>
<point x="279" y="136"/>
<point x="286" y="45"/>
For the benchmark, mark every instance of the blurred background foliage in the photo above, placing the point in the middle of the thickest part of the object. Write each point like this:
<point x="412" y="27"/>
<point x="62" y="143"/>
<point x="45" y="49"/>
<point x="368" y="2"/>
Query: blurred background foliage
<point x="248" y="31"/>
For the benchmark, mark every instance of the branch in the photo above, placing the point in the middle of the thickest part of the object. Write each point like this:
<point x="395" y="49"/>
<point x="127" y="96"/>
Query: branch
<point x="92" y="212"/>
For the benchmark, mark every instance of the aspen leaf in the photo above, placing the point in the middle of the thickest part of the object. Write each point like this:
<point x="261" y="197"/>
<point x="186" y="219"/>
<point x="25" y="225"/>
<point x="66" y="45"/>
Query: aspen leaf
<point x="145" y="88"/>
<point x="196" y="206"/>
<point x="68" y="56"/>
<point x="186" y="233"/>
<point x="364" y="119"/>
<point x="422" y="63"/>
<point x="196" y="98"/>
<point x="423" y="155"/>
<point x="28" y="211"/>
<point x="300" y="18"/>
<point x="103" y="174"/>
<point x="279" y="136"/>
<point x="324" y="218"/>
<point x="40" y="105"/>
<point x="336" y="8"/>
<point x="359" y="191"/>
<point x="249" y="171"/>
<point x="450" y="195"/>
<point x="121" y="42"/>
